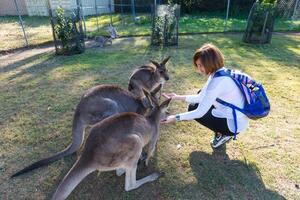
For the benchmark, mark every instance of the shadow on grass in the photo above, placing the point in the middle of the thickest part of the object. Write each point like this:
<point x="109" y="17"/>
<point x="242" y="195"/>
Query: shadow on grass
<point x="20" y="63"/>
<point x="222" y="178"/>
<point x="279" y="50"/>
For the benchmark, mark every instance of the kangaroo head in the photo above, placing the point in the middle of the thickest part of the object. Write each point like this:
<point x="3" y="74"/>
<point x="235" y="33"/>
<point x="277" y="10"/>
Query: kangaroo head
<point x="150" y="100"/>
<point x="163" y="108"/>
<point x="112" y="31"/>
<point x="162" y="69"/>
<point x="159" y="111"/>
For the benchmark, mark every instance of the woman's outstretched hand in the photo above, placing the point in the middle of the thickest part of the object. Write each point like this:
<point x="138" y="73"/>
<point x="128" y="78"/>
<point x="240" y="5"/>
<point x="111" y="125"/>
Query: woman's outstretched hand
<point x="168" y="120"/>
<point x="173" y="96"/>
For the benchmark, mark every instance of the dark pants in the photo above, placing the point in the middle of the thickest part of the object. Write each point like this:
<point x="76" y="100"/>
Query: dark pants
<point x="216" y="124"/>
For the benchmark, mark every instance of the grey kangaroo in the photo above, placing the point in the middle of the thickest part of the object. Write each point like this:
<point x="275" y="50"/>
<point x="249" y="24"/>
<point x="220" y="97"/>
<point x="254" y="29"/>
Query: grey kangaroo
<point x="148" y="77"/>
<point x="95" y="105"/>
<point x="116" y="143"/>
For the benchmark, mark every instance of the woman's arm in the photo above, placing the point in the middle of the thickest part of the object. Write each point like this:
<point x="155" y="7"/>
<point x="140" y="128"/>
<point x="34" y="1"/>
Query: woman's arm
<point x="174" y="96"/>
<point x="202" y="108"/>
<point x="206" y="100"/>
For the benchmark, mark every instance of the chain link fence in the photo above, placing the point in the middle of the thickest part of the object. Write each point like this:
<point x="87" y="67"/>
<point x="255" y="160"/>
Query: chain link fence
<point x="23" y="23"/>
<point x="26" y="22"/>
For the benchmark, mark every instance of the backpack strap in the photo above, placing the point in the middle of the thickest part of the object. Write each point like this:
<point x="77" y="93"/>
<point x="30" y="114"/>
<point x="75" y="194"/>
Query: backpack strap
<point x="233" y="107"/>
<point x="227" y="72"/>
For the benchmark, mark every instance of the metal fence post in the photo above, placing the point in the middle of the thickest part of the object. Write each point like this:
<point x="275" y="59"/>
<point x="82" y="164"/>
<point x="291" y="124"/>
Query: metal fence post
<point x="52" y="25"/>
<point x="227" y="13"/>
<point x="154" y="7"/>
<point x="110" y="13"/>
<point x="96" y="10"/>
<point x="21" y="22"/>
<point x="133" y="10"/>
<point x="295" y="9"/>
<point x="83" y="17"/>
<point x="122" y="17"/>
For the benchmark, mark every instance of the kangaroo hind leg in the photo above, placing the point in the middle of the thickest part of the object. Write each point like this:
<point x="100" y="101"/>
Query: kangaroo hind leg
<point x="130" y="179"/>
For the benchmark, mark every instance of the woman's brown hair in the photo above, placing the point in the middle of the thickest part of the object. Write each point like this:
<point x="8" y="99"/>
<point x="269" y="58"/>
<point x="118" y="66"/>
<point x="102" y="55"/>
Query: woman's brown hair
<point x="210" y="56"/>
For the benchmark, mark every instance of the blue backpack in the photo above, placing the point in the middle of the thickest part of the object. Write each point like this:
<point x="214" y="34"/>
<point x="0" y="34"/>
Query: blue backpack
<point x="256" y="104"/>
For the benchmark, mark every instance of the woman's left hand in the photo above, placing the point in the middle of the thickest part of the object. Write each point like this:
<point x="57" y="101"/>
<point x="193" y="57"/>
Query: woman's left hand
<point x="168" y="120"/>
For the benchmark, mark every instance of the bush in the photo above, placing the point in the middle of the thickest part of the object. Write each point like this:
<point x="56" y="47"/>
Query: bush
<point x="261" y="20"/>
<point x="63" y="28"/>
<point x="164" y="29"/>
<point x="69" y="36"/>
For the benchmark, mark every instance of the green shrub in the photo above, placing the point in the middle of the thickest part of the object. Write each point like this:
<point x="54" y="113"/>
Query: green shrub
<point x="63" y="28"/>
<point x="261" y="21"/>
<point x="164" y="25"/>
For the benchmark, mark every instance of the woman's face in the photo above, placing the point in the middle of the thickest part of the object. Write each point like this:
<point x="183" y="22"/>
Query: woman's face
<point x="200" y="67"/>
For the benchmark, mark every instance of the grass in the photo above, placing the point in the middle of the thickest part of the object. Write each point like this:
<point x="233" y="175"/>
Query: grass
<point x="38" y="29"/>
<point x="38" y="93"/>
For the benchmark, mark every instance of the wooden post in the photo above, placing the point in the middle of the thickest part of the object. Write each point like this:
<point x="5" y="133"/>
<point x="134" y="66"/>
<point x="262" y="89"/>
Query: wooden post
<point x="248" y="28"/>
<point x="264" y="27"/>
<point x="165" y="39"/>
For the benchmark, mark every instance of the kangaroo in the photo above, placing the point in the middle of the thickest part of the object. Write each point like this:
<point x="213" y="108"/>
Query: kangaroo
<point x="112" y="31"/>
<point x="116" y="143"/>
<point x="148" y="77"/>
<point x="95" y="105"/>
<point x="103" y="40"/>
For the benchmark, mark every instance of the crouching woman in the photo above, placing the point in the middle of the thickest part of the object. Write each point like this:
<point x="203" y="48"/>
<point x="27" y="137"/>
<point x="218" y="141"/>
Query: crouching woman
<point x="203" y="107"/>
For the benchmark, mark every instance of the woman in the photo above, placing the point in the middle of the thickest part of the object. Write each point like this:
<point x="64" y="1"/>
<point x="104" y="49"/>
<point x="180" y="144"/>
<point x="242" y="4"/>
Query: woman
<point x="203" y="107"/>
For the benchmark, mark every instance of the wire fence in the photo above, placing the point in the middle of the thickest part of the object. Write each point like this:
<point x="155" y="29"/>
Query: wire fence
<point x="27" y="22"/>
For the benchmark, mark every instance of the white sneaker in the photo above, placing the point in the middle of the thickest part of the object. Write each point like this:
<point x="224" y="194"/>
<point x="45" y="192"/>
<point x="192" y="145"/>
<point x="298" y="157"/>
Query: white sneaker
<point x="219" y="139"/>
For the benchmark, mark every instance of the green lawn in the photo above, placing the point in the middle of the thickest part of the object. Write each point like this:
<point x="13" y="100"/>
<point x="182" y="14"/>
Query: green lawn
<point x="38" y="29"/>
<point x="39" y="92"/>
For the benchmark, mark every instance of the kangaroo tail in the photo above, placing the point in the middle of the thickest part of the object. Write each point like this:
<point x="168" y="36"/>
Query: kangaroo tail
<point x="77" y="139"/>
<point x="78" y="172"/>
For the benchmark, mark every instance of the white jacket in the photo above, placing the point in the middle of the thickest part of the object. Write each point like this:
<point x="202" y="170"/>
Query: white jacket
<point x="220" y="87"/>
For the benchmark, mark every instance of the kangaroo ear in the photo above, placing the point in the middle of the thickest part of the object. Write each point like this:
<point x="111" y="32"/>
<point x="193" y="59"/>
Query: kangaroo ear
<point x="155" y="63"/>
<point x="165" y="60"/>
<point x="165" y="104"/>
<point x="156" y="90"/>
<point x="146" y="100"/>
